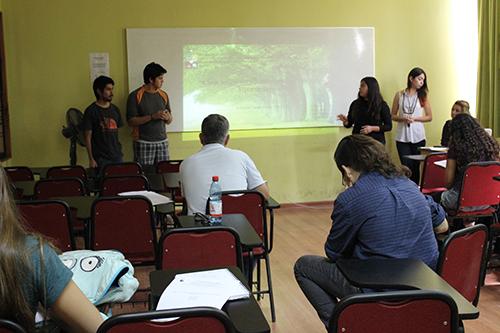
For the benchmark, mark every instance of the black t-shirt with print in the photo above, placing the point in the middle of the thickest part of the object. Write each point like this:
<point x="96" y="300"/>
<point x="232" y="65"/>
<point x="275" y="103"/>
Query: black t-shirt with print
<point x="104" y="124"/>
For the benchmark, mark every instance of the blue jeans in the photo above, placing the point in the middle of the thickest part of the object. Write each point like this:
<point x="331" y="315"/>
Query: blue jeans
<point x="322" y="283"/>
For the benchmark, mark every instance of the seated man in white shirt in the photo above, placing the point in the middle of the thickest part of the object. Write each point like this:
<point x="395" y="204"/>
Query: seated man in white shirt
<point x="235" y="169"/>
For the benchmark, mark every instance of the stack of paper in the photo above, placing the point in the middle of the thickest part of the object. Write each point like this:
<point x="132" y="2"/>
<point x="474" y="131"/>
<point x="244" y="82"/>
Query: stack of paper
<point x="206" y="288"/>
<point x="435" y="149"/>
<point x="155" y="198"/>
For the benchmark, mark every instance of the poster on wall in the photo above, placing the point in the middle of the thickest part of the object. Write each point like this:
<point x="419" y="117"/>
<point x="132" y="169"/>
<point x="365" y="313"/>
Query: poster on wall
<point x="99" y="65"/>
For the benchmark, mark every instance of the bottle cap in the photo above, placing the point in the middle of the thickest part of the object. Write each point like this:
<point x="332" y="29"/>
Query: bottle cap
<point x="215" y="178"/>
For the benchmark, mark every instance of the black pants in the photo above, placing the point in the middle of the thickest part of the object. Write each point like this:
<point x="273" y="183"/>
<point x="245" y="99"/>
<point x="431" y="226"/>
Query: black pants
<point x="408" y="148"/>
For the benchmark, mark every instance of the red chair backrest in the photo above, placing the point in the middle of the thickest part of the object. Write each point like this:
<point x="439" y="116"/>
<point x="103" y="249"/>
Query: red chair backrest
<point x="433" y="176"/>
<point x="462" y="260"/>
<point x="200" y="319"/>
<point x="60" y="187"/>
<point x="249" y="203"/>
<point x="111" y="186"/>
<point x="19" y="173"/>
<point x="383" y="313"/>
<point x="125" y="224"/>
<point x="65" y="171"/>
<point x="122" y="169"/>
<point x="168" y="166"/>
<point x="205" y="247"/>
<point x="52" y="219"/>
<point x="478" y="186"/>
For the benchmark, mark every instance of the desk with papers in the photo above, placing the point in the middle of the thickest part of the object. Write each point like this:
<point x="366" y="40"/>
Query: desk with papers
<point x="235" y="297"/>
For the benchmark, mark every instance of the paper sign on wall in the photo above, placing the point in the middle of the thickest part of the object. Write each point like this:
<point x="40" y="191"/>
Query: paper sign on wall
<point x="99" y="65"/>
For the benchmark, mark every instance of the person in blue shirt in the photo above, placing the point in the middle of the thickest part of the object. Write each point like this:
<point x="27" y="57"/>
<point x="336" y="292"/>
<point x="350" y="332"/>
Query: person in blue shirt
<point x="381" y="214"/>
<point x="32" y="275"/>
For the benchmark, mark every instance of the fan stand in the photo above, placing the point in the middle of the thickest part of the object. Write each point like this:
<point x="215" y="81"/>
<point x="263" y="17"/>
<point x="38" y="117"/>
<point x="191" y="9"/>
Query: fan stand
<point x="72" y="151"/>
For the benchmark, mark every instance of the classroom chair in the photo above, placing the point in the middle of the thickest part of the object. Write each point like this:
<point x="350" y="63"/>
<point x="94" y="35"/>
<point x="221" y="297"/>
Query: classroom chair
<point x="52" y="219"/>
<point x="59" y="187"/>
<point x="65" y="171"/>
<point x="203" y="247"/>
<point x="122" y="169"/>
<point x="416" y="311"/>
<point x="433" y="176"/>
<point x="199" y="319"/>
<point x="127" y="225"/>
<point x="114" y="185"/>
<point x="252" y="204"/>
<point x="462" y="261"/>
<point x="19" y="173"/>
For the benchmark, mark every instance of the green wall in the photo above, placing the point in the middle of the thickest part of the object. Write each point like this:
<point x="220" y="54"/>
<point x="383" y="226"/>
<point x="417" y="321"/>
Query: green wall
<point x="48" y="45"/>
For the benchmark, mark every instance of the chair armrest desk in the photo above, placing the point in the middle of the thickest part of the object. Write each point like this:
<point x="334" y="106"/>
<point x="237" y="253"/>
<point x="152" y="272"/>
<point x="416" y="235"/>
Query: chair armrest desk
<point x="403" y="274"/>
<point x="245" y="314"/>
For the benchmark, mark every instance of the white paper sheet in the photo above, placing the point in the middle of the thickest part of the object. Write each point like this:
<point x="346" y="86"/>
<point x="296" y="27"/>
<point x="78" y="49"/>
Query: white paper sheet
<point x="205" y="288"/>
<point x="217" y="281"/>
<point x="435" y="149"/>
<point x="99" y="65"/>
<point x="155" y="198"/>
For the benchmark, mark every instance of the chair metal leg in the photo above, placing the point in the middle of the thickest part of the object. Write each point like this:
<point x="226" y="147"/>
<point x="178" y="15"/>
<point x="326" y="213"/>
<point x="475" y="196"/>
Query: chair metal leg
<point x="270" y="287"/>
<point x="249" y="269"/>
<point x="258" y="280"/>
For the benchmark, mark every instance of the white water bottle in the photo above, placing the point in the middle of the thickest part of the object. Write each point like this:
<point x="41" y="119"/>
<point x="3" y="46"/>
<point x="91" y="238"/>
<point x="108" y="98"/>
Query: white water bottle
<point x="215" y="201"/>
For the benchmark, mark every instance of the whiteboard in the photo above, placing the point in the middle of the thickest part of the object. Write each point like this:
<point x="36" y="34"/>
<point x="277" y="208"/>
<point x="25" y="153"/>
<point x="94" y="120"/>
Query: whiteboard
<point x="256" y="77"/>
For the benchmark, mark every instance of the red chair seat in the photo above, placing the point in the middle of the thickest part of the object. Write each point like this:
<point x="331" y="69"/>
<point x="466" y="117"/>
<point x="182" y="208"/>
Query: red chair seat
<point x="433" y="190"/>
<point x="486" y="212"/>
<point x="256" y="251"/>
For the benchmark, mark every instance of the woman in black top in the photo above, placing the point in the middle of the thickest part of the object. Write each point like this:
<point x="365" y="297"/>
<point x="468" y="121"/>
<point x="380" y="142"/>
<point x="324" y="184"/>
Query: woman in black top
<point x="369" y="113"/>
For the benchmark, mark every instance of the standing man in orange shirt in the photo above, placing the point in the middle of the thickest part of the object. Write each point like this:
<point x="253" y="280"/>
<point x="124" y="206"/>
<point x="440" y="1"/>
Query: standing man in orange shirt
<point x="148" y="111"/>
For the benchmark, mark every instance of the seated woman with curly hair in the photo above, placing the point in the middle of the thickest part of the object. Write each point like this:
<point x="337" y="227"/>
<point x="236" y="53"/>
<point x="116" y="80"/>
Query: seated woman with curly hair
<point x="469" y="142"/>
<point x="32" y="275"/>
<point x="381" y="214"/>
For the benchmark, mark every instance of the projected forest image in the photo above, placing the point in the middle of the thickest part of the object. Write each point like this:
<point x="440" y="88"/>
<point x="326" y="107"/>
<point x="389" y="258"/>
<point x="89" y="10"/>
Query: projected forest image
<point x="258" y="86"/>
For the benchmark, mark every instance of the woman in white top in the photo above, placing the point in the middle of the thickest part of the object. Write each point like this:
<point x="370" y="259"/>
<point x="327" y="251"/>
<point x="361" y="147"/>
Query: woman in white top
<point x="410" y="109"/>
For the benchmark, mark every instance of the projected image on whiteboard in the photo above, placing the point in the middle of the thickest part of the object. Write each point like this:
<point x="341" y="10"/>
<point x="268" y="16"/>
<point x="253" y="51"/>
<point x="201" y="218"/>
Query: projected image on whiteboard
<point x="258" y="86"/>
<point x="257" y="77"/>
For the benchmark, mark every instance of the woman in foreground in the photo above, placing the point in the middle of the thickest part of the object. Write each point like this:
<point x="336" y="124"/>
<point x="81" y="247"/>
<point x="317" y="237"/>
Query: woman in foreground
<point x="33" y="276"/>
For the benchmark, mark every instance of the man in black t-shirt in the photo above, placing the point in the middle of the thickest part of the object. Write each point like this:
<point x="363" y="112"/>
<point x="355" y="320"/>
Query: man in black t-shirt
<point x="100" y="124"/>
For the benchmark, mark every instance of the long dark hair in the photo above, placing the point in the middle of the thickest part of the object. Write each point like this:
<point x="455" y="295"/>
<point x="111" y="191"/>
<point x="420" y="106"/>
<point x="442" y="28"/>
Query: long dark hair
<point x="15" y="266"/>
<point x="470" y="141"/>
<point x="365" y="154"/>
<point x="422" y="92"/>
<point x="374" y="97"/>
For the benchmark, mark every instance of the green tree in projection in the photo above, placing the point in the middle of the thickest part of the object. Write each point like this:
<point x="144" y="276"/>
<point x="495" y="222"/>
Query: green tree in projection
<point x="281" y="82"/>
